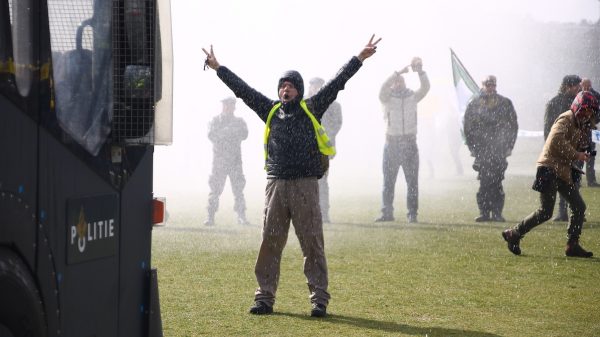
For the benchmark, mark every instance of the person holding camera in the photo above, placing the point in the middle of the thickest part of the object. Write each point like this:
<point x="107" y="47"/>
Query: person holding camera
<point x="490" y="127"/>
<point x="296" y="152"/>
<point x="400" y="116"/>
<point x="590" y="172"/>
<point x="557" y="172"/>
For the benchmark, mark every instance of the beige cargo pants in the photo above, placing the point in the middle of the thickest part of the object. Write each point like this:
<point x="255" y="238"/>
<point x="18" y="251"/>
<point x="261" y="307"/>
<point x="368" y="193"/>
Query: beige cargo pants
<point x="296" y="200"/>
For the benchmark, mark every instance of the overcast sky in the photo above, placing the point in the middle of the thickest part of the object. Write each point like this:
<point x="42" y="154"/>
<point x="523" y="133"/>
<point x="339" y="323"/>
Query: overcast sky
<point x="260" y="39"/>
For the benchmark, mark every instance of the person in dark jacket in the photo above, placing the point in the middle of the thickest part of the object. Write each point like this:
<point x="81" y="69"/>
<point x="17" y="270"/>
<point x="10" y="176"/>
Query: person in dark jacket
<point x="226" y="132"/>
<point x="490" y="126"/>
<point x="564" y="146"/>
<point x="294" y="161"/>
<point x="590" y="171"/>
<point x="569" y="87"/>
<point x="332" y="122"/>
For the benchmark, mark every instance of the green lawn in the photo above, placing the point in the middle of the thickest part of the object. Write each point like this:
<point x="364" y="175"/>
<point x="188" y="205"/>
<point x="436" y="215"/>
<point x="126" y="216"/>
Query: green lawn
<point x="445" y="276"/>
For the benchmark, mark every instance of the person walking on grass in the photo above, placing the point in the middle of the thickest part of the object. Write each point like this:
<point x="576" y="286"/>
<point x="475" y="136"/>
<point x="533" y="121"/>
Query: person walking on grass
<point x="557" y="172"/>
<point x="296" y="156"/>
<point x="569" y="87"/>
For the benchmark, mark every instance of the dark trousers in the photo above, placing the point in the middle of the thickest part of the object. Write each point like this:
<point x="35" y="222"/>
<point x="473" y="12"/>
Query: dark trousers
<point x="399" y="152"/>
<point x="570" y="193"/>
<point x="490" y="197"/>
<point x="562" y="203"/>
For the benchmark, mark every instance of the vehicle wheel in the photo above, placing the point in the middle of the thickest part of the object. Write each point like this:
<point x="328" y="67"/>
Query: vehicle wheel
<point x="21" y="311"/>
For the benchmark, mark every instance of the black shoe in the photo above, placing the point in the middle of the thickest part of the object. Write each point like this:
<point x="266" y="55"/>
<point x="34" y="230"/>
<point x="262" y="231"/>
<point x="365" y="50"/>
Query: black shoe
<point x="209" y="222"/>
<point x="560" y="217"/>
<point x="498" y="217"/>
<point x="483" y="218"/>
<point x="411" y="218"/>
<point x="243" y="221"/>
<point x="512" y="238"/>
<point x="575" y="250"/>
<point x="318" y="310"/>
<point x="384" y="218"/>
<point x="261" y="308"/>
<point x="593" y="184"/>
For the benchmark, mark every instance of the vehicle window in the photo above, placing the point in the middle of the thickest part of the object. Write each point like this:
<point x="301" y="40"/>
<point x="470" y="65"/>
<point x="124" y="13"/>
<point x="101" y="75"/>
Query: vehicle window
<point x="21" y="16"/>
<point x="6" y="59"/>
<point x="80" y="37"/>
<point x="134" y="74"/>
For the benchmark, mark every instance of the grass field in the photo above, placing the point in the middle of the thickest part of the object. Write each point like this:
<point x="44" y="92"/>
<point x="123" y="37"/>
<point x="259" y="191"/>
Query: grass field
<point x="445" y="276"/>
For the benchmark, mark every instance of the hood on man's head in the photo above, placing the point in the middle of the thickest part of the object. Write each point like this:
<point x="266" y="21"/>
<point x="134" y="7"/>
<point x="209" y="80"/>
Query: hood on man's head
<point x="296" y="79"/>
<point x="584" y="99"/>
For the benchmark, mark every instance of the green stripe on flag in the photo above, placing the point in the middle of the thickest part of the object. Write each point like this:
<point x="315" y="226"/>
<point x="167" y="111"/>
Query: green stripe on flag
<point x="460" y="73"/>
<point x="464" y="85"/>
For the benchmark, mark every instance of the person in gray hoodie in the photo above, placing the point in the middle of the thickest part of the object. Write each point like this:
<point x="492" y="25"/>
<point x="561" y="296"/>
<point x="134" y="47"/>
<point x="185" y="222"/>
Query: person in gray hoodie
<point x="400" y="116"/>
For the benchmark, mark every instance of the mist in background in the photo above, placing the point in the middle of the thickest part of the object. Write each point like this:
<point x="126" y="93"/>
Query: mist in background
<point x="259" y="40"/>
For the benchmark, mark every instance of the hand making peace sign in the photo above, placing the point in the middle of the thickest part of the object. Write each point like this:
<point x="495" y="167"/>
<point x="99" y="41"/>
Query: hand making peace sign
<point x="211" y="60"/>
<point x="369" y="49"/>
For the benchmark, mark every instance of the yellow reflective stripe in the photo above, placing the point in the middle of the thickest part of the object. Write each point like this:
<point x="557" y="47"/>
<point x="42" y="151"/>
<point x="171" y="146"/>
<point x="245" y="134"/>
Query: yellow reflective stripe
<point x="10" y="67"/>
<point x="7" y="66"/>
<point x="27" y="67"/>
<point x="268" y="127"/>
<point x="323" y="141"/>
<point x="45" y="71"/>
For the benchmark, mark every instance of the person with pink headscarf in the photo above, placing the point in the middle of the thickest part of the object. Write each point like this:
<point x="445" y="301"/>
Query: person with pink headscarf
<point x="557" y="172"/>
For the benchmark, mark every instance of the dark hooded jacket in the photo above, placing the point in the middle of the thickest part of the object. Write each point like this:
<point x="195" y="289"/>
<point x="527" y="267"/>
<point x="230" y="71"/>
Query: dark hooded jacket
<point x="490" y="126"/>
<point x="554" y="108"/>
<point x="292" y="150"/>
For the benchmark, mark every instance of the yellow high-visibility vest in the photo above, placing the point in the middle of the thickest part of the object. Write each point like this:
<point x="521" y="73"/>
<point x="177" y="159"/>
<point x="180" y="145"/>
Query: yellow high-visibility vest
<point x="325" y="146"/>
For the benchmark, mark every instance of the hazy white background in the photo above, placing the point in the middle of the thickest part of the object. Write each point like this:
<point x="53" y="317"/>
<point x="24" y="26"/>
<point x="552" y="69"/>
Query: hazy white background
<point x="260" y="39"/>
